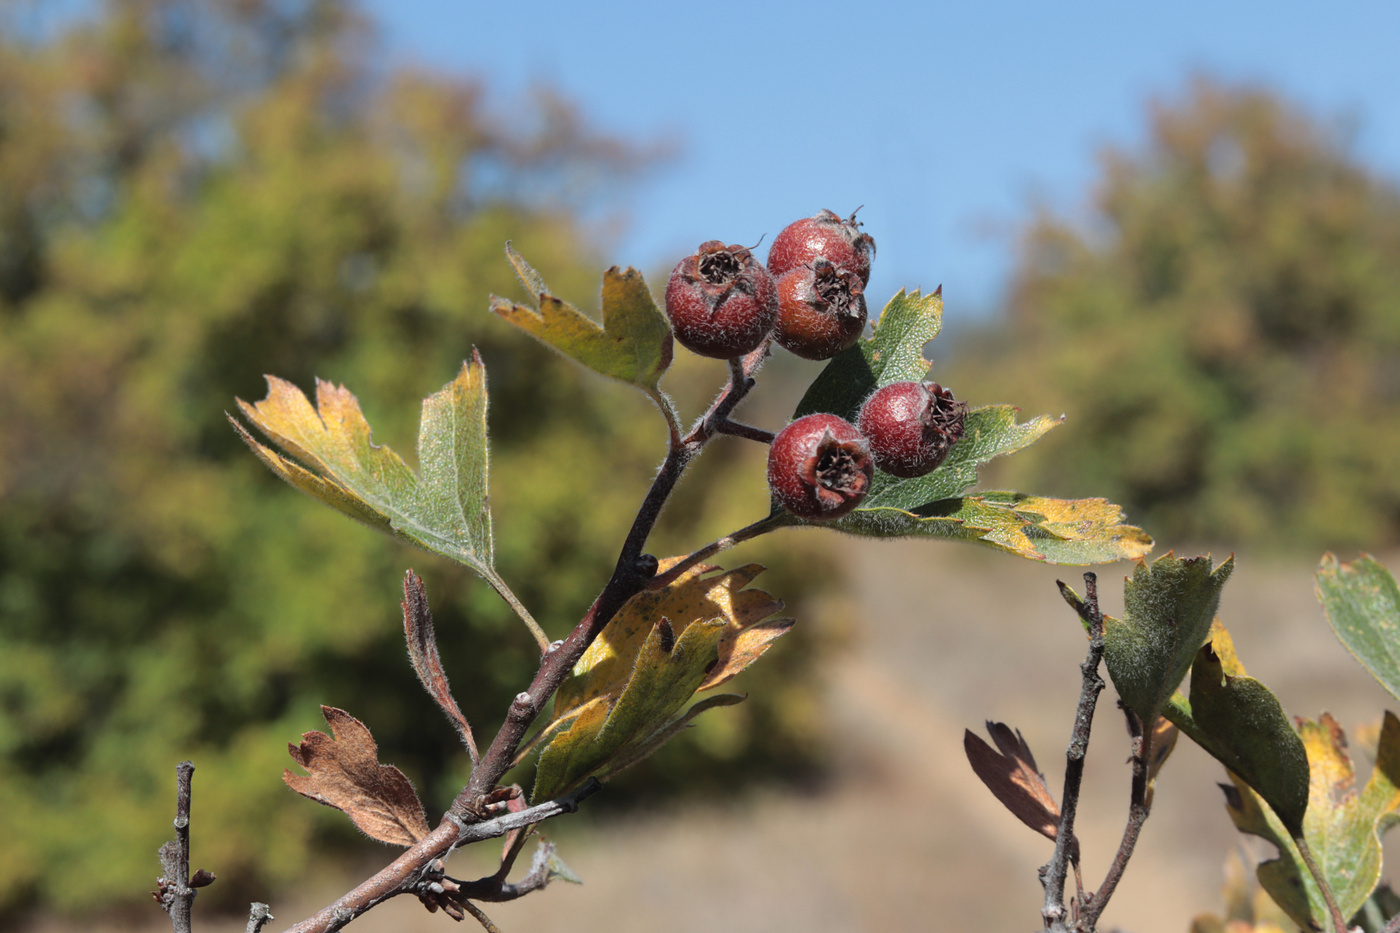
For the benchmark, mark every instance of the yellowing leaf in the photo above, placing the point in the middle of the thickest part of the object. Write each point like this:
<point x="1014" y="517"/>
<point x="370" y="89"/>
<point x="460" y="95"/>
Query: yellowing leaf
<point x="1057" y="531"/>
<point x="1343" y="829"/>
<point x="625" y="695"/>
<point x="702" y="593"/>
<point x="633" y="344"/>
<point x="328" y="451"/>
<point x="344" y="772"/>
<point x="605" y="735"/>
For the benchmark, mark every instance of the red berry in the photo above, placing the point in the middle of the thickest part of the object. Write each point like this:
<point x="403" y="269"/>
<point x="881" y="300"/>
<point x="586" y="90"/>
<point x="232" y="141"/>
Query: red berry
<point x="821" y="310"/>
<point x="722" y="303"/>
<point x="819" y="467"/>
<point x="911" y="426"/>
<point x="823" y="234"/>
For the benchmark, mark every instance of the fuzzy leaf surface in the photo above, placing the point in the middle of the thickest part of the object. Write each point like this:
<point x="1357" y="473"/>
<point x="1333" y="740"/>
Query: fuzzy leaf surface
<point x="1168" y="607"/>
<point x="1362" y="603"/>
<point x="1241" y="723"/>
<point x="344" y="772"/>
<point x="332" y="456"/>
<point x="1058" y="531"/>
<point x="633" y="344"/>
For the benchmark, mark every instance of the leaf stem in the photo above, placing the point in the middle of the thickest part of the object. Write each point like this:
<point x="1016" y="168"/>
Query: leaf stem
<point x="499" y="585"/>
<point x="1054" y="873"/>
<point x="1339" y="922"/>
<point x="673" y="573"/>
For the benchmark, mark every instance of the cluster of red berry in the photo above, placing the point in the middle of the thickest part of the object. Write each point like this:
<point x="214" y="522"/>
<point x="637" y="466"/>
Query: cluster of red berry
<point x="810" y="299"/>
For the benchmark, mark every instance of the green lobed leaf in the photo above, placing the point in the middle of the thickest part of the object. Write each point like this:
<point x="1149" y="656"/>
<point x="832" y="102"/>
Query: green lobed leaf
<point x="893" y="353"/>
<point x="1241" y="723"/>
<point x="606" y="735"/>
<point x="1082" y="531"/>
<point x="443" y="508"/>
<point x="1058" y="531"/>
<point x="633" y="344"/>
<point x="1362" y="603"/>
<point x="1344" y="828"/>
<point x="1168" y="606"/>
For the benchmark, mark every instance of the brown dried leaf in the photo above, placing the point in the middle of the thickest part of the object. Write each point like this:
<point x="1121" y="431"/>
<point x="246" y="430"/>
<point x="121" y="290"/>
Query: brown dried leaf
<point x="1012" y="777"/>
<point x="423" y="652"/>
<point x="344" y="772"/>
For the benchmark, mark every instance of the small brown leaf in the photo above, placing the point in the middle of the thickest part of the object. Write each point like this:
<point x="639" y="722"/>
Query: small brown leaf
<point x="423" y="653"/>
<point x="1013" y="779"/>
<point x="344" y="772"/>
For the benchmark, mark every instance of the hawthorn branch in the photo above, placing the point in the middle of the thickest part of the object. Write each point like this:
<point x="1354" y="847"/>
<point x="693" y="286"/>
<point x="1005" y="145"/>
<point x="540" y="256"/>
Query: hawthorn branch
<point x="628" y="579"/>
<point x="1138" y="811"/>
<point x="1339" y="922"/>
<point x="466" y="820"/>
<point x="1054" y="873"/>
<point x="174" y="892"/>
<point x="410" y="869"/>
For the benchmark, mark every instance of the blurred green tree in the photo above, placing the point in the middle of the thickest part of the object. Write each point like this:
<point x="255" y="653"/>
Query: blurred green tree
<point x="192" y="194"/>
<point x="1225" y="330"/>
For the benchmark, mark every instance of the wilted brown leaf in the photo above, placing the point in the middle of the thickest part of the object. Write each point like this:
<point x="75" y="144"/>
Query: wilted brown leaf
<point x="1012" y="777"/>
<point x="344" y="772"/>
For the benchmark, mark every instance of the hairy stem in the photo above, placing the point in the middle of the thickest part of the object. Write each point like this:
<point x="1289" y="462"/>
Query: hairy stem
<point x="1339" y="922"/>
<point x="1054" y="873"/>
<point x="519" y="609"/>
<point x="673" y="573"/>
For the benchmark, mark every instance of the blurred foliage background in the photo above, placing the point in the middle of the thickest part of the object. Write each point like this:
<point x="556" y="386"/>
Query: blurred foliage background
<point x="1223" y="331"/>
<point x="191" y="195"/>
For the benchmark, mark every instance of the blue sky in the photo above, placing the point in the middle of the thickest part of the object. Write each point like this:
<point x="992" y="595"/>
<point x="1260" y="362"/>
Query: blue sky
<point x="949" y="122"/>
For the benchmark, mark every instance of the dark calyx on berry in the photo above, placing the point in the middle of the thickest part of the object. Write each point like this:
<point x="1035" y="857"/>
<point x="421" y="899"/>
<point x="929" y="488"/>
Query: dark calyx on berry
<point x="911" y="426"/>
<point x="821" y="310"/>
<point x="819" y="467"/>
<point x="721" y="302"/>
<point x="826" y="235"/>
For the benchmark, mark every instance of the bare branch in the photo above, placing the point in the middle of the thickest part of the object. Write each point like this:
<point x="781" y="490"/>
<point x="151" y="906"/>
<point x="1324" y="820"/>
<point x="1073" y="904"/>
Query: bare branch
<point x="1054" y="873"/>
<point x="416" y="866"/>
<point x="174" y="892"/>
